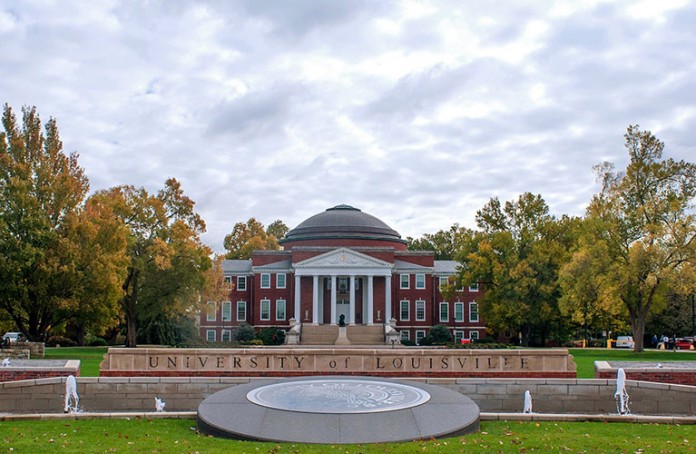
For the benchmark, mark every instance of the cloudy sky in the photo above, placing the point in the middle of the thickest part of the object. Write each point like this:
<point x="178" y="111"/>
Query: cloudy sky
<point x="417" y="112"/>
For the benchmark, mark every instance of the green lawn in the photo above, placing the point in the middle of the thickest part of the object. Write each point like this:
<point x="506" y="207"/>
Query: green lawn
<point x="585" y="357"/>
<point x="89" y="357"/>
<point x="172" y="435"/>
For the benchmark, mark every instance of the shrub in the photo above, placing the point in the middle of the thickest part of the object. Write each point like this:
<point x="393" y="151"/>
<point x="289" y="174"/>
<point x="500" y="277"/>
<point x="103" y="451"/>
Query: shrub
<point x="245" y="333"/>
<point x="407" y="343"/>
<point x="60" y="340"/>
<point x="271" y="336"/>
<point x="97" y="342"/>
<point x="438" y="335"/>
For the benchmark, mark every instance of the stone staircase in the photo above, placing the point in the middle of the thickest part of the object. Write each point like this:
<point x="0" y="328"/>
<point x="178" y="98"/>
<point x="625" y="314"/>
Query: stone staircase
<point x="327" y="334"/>
<point x="366" y="335"/>
<point x="319" y="334"/>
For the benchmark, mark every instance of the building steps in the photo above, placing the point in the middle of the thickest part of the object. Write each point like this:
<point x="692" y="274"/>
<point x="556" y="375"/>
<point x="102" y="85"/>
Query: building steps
<point x="366" y="335"/>
<point x="319" y="334"/>
<point x="328" y="334"/>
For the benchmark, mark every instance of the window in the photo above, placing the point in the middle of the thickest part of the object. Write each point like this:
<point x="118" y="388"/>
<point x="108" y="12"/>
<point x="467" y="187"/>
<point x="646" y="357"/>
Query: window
<point x="405" y="310"/>
<point x="265" y="309"/>
<point x="265" y="280"/>
<point x="420" y="334"/>
<point x="473" y="335"/>
<point x="458" y="312"/>
<point x="280" y="309"/>
<point x="444" y="312"/>
<point x="404" y="281"/>
<point x="343" y="284"/>
<point x="443" y="282"/>
<point x="458" y="336"/>
<point x="210" y="312"/>
<point x="210" y="335"/>
<point x="405" y="334"/>
<point x="241" y="311"/>
<point x="473" y="312"/>
<point x="420" y="310"/>
<point x="228" y="282"/>
<point x="226" y="335"/>
<point x="473" y="287"/>
<point x="226" y="311"/>
<point x="280" y="280"/>
<point x="420" y="281"/>
<point x="241" y="283"/>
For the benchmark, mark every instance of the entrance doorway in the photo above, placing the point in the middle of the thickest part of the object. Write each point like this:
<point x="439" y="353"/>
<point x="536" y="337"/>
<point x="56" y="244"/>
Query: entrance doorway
<point x="342" y="308"/>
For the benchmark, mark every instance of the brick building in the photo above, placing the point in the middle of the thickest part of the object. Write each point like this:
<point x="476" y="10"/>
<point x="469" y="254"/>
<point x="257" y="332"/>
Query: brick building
<point x="343" y="265"/>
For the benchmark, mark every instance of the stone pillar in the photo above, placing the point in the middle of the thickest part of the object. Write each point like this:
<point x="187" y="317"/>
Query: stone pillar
<point x="351" y="307"/>
<point x="333" y="300"/>
<point x="298" y="316"/>
<point x="370" y="300"/>
<point x="387" y="298"/>
<point x="315" y="300"/>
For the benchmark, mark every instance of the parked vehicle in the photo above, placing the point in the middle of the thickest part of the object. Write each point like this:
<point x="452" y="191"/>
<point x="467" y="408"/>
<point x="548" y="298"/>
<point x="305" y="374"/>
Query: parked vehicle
<point x="684" y="343"/>
<point x="625" y="342"/>
<point x="12" y="338"/>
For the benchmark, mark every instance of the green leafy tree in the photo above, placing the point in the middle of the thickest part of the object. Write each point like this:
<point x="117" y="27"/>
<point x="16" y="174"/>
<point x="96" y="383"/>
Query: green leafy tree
<point x="167" y="262"/>
<point x="250" y="236"/>
<point x="277" y="229"/>
<point x="516" y="255"/>
<point x="446" y="244"/>
<point x="41" y="192"/>
<point x="641" y="240"/>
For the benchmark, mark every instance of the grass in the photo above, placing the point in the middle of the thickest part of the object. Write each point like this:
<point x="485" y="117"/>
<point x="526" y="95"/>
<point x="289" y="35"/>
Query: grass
<point x="585" y="357"/>
<point x="176" y="435"/>
<point x="90" y="357"/>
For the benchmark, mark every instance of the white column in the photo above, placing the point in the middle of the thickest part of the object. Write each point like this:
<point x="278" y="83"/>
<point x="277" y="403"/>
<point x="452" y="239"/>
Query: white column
<point x="387" y="298"/>
<point x="315" y="300"/>
<point x="351" y="307"/>
<point x="333" y="299"/>
<point x="298" y="316"/>
<point x="370" y="300"/>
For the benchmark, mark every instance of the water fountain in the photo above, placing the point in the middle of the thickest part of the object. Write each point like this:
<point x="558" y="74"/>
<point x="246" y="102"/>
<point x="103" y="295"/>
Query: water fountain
<point x="159" y="404"/>
<point x="527" y="402"/>
<point x="621" y="395"/>
<point x="6" y="362"/>
<point x="71" y="398"/>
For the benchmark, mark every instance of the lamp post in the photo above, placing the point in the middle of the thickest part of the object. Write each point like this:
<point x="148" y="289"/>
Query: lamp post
<point x="693" y="317"/>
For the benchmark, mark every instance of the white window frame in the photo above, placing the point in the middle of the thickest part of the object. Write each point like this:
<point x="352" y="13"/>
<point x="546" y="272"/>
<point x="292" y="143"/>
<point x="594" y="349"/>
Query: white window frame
<point x="226" y="307"/>
<point x="278" y="279"/>
<point x="265" y="302"/>
<point x="458" y="336"/>
<point x="407" y="305"/>
<point x="241" y="283"/>
<point x="420" y="285"/>
<point x="459" y="308"/>
<point x="444" y="305"/>
<point x="211" y="315"/>
<point x="226" y="335"/>
<point x="407" y="284"/>
<point x="228" y="281"/>
<point x="420" y="334"/>
<point x="443" y="282"/>
<point x="281" y="303"/>
<point x="405" y="334"/>
<point x="474" y="335"/>
<point x="241" y="307"/>
<point x="474" y="287"/>
<point x="208" y="336"/>
<point x="267" y="278"/>
<point x="419" y="317"/>
<point x="473" y="304"/>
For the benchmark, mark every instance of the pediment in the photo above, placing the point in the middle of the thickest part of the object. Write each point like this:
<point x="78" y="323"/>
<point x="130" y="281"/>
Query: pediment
<point x="343" y="258"/>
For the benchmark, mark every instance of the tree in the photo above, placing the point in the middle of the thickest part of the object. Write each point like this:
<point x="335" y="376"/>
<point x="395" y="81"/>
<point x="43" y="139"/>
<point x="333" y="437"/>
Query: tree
<point x="277" y="229"/>
<point x="446" y="244"/>
<point x="516" y="255"/>
<point x="250" y="236"/>
<point x="167" y="262"/>
<point x="41" y="192"/>
<point x="644" y="218"/>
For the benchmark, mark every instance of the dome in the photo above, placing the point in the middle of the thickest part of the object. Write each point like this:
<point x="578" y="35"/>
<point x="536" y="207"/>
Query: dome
<point x="343" y="222"/>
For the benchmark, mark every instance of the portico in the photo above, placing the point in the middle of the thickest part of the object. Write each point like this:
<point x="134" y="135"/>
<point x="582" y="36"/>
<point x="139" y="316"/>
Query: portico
<point x="343" y="282"/>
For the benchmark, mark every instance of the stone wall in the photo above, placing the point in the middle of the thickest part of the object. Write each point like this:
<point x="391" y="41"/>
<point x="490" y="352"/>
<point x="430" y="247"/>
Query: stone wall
<point x="569" y="396"/>
<point x="20" y="369"/>
<point x="676" y="372"/>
